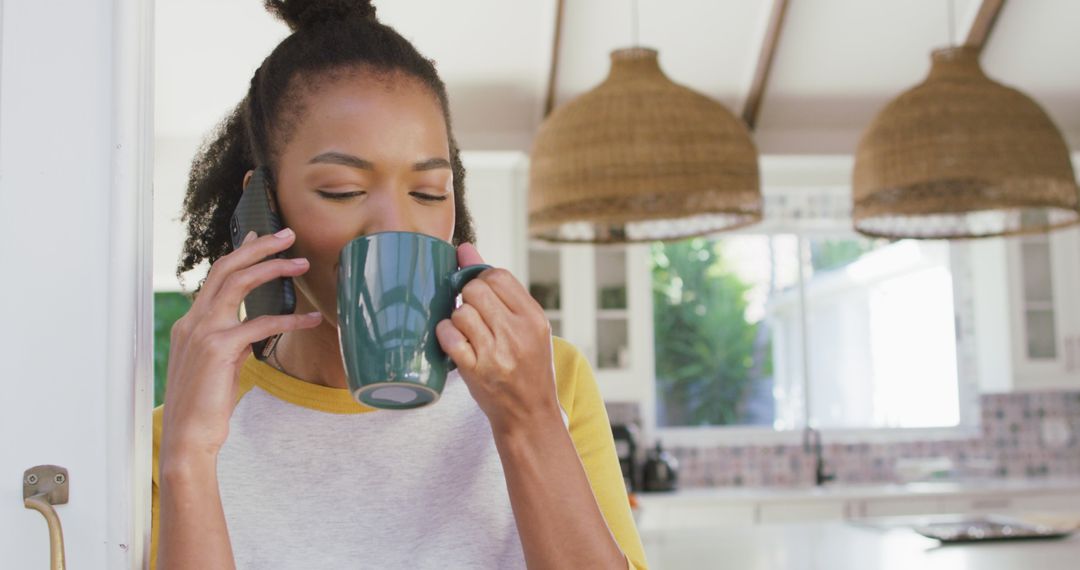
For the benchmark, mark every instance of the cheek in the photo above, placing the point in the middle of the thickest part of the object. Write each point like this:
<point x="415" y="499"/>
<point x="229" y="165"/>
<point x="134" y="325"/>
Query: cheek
<point x="322" y="250"/>
<point x="318" y="237"/>
<point x="320" y="242"/>
<point x="324" y="245"/>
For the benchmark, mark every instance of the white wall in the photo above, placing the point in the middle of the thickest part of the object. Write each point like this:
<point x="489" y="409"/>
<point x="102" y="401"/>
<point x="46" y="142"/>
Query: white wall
<point x="74" y="211"/>
<point x="172" y="161"/>
<point x="495" y="194"/>
<point x="990" y="269"/>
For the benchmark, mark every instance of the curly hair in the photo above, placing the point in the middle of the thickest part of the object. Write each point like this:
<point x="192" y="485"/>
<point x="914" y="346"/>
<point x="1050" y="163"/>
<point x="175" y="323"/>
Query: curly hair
<point x="329" y="38"/>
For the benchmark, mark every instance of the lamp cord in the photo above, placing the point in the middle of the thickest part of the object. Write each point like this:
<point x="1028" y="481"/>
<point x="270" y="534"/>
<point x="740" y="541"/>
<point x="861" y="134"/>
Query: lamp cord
<point x="951" y="7"/>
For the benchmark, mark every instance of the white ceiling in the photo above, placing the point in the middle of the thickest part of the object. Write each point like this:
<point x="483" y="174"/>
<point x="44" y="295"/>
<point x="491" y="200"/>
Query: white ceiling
<point x="837" y="63"/>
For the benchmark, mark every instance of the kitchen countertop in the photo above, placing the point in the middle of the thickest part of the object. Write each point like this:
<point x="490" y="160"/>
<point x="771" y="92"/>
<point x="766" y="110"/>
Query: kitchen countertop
<point x="836" y="491"/>
<point x="844" y="546"/>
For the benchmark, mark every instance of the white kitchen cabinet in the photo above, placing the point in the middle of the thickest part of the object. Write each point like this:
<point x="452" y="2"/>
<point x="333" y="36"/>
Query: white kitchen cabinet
<point x="1044" y="310"/>
<point x="894" y="507"/>
<point x="599" y="299"/>
<point x="979" y="504"/>
<point x="712" y="507"/>
<point x="989" y="503"/>
<point x="683" y="515"/>
<point x="795" y="511"/>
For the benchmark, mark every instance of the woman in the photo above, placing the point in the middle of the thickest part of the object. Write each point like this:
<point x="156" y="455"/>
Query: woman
<point x="271" y="464"/>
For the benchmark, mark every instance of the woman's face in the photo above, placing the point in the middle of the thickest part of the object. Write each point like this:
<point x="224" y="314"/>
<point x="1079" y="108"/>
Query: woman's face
<point x="368" y="154"/>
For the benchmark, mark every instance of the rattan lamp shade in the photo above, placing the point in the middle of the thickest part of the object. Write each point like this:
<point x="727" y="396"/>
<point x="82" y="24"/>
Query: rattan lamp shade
<point x="641" y="158"/>
<point x="961" y="156"/>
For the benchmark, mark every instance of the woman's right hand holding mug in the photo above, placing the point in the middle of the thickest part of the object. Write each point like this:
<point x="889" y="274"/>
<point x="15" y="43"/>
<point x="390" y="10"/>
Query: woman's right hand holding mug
<point x="210" y="343"/>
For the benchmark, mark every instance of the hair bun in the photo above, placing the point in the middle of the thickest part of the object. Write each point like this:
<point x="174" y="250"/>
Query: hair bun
<point x="303" y="14"/>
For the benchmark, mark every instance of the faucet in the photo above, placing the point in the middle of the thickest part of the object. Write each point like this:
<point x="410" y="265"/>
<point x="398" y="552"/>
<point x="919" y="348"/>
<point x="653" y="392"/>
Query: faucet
<point x="820" y="476"/>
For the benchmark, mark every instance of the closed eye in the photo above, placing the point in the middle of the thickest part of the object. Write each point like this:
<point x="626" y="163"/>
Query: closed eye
<point x="428" y="197"/>
<point x="339" y="195"/>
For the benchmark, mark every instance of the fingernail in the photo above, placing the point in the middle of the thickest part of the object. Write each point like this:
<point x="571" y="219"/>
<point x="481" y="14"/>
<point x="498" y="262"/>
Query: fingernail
<point x="250" y="236"/>
<point x="299" y="260"/>
<point x="284" y="233"/>
<point x="314" y="314"/>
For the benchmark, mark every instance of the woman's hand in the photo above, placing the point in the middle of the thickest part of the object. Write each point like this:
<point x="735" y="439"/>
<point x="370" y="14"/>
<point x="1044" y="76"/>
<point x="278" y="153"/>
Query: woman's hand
<point x="209" y="344"/>
<point x="500" y="340"/>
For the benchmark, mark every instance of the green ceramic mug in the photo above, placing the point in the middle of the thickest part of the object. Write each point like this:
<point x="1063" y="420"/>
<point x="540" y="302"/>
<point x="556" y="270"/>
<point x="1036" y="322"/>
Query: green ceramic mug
<point x="393" y="288"/>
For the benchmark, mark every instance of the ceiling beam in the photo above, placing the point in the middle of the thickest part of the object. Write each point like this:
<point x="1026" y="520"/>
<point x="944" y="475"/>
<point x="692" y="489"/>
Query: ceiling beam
<point x="752" y="104"/>
<point x="983" y="23"/>
<point x="553" y="73"/>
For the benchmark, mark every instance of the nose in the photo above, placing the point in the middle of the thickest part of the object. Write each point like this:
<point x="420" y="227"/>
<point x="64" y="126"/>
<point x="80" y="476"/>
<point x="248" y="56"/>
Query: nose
<point x="390" y="211"/>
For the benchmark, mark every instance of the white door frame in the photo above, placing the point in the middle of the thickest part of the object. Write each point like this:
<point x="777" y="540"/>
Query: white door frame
<point x="76" y="324"/>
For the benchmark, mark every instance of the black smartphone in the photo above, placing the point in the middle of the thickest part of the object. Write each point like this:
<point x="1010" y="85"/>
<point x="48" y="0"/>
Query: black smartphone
<point x="256" y="212"/>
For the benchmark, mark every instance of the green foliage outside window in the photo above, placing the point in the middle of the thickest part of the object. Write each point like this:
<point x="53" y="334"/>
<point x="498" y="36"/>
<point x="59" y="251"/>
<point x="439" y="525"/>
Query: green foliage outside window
<point x="830" y="254"/>
<point x="707" y="354"/>
<point x="168" y="307"/>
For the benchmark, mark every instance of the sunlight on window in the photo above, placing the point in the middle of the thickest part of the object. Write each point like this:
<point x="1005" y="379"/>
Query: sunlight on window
<point x="879" y="336"/>
<point x="913" y="348"/>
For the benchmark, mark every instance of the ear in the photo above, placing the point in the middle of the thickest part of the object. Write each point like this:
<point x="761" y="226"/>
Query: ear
<point x="247" y="178"/>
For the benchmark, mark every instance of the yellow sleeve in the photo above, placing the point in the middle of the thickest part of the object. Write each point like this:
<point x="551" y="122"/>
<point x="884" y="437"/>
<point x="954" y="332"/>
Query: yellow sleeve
<point x="590" y="430"/>
<point x="154" y="489"/>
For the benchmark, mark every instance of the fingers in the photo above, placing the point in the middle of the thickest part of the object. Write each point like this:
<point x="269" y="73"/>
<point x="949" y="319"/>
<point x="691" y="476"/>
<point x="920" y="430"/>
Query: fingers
<point x="479" y="295"/>
<point x="467" y="255"/>
<point x="249" y="253"/>
<point x="467" y="320"/>
<point x="455" y="345"/>
<point x="509" y="291"/>
<point x="267" y="326"/>
<point x="237" y="286"/>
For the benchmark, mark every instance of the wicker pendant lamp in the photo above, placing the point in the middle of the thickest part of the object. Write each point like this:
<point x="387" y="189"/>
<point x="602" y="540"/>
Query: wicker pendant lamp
<point x="961" y="156"/>
<point x="641" y="158"/>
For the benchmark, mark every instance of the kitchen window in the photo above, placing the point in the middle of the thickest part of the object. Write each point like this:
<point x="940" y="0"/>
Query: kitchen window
<point x="758" y="334"/>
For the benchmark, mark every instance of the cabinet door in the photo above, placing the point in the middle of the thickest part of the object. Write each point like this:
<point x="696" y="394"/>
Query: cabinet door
<point x="900" y="507"/>
<point x="661" y="515"/>
<point x="1063" y="502"/>
<point x="578" y="304"/>
<point x="801" y="511"/>
<point x="1066" y="246"/>
<point x="599" y="299"/>
<point x="545" y="282"/>
<point x="1015" y="503"/>
<point x="1042" y="279"/>
<point x="624" y="323"/>
<point x="612" y="309"/>
<point x="978" y="504"/>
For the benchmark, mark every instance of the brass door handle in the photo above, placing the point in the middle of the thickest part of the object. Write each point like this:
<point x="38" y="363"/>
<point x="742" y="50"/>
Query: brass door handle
<point x="43" y="487"/>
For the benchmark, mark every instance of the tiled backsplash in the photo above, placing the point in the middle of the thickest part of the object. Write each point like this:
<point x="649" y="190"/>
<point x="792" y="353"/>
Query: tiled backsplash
<point x="1024" y="435"/>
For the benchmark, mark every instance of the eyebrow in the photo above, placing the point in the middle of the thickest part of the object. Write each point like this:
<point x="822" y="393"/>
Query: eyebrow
<point x="357" y="162"/>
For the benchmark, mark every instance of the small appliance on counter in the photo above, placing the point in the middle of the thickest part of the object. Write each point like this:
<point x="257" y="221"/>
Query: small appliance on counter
<point x="661" y="471"/>
<point x="626" y="448"/>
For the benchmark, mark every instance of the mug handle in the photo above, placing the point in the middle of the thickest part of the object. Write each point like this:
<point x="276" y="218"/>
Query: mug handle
<point x="458" y="280"/>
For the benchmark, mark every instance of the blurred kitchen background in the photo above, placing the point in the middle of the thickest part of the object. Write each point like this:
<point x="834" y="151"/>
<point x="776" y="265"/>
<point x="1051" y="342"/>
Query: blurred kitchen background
<point x="793" y="370"/>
